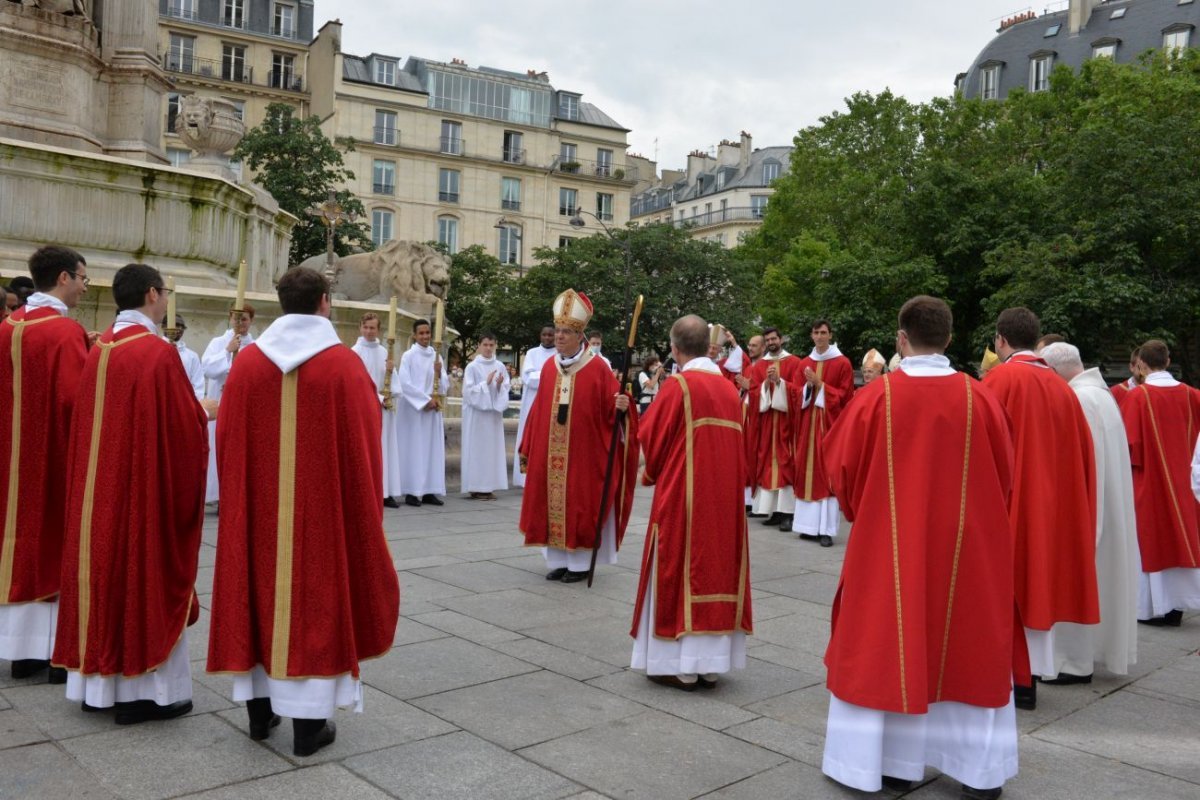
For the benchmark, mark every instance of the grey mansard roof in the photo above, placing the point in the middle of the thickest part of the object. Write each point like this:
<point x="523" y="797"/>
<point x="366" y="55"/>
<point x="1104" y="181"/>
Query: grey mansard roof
<point x="357" y="69"/>
<point x="1140" y="29"/>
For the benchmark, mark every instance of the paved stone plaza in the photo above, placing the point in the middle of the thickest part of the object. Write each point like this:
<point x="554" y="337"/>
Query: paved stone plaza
<point x="502" y="685"/>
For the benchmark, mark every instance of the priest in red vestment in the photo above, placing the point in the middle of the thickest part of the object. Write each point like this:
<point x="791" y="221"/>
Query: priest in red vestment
<point x="42" y="352"/>
<point x="1162" y="420"/>
<point x="139" y="451"/>
<point x="1137" y="376"/>
<point x="923" y="630"/>
<point x="1053" y="506"/>
<point x="753" y="354"/>
<point x="772" y="424"/>
<point x="565" y="449"/>
<point x="305" y="589"/>
<point x="693" y="603"/>
<point x="816" y="401"/>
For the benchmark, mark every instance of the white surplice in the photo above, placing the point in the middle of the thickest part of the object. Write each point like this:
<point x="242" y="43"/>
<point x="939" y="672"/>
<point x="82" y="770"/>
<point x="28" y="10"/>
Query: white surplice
<point x="818" y="517"/>
<point x="216" y="363"/>
<point x="423" y="468"/>
<point x="193" y="368"/>
<point x="374" y="357"/>
<point x="531" y="376"/>
<point x="773" y="398"/>
<point x="484" y="462"/>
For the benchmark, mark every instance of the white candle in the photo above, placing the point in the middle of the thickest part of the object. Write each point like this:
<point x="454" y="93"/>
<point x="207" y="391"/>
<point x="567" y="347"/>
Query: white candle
<point x="240" y="303"/>
<point x="171" y="303"/>
<point x="391" y="334"/>
<point x="439" y="325"/>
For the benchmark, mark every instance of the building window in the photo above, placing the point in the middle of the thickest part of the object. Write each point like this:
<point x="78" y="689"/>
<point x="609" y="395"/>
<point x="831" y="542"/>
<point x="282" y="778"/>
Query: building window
<point x="448" y="234"/>
<point x="568" y="157"/>
<point x="385" y="72"/>
<point x="172" y="112"/>
<point x="1039" y="73"/>
<point x="385" y="127"/>
<point x="770" y="171"/>
<point x="510" y="244"/>
<point x="177" y="157"/>
<point x="452" y="141"/>
<point x="381" y="226"/>
<point x="180" y="56"/>
<point x="233" y="63"/>
<point x="514" y="147"/>
<point x="565" y="241"/>
<point x="721" y="180"/>
<point x="604" y="162"/>
<point x="758" y="205"/>
<point x="1118" y="13"/>
<point x="233" y="13"/>
<point x="1104" y="50"/>
<point x="568" y="202"/>
<point x="183" y="9"/>
<point x="384" y="177"/>
<point x="604" y="206"/>
<point x="448" y="185"/>
<point x="283" y="71"/>
<point x="284" y="16"/>
<point x="510" y="194"/>
<point x="568" y="106"/>
<point x="239" y="107"/>
<point x="494" y="99"/>
<point x="989" y="83"/>
<point x="1052" y="31"/>
<point x="1176" y="40"/>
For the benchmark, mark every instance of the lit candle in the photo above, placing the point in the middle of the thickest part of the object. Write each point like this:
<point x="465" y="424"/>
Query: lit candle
<point x="392" y="319"/>
<point x="240" y="303"/>
<point x="439" y="324"/>
<point x="170" y="303"/>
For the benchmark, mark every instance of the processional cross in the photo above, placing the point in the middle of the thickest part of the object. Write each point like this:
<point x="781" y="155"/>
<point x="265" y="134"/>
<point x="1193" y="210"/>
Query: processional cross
<point x="330" y="213"/>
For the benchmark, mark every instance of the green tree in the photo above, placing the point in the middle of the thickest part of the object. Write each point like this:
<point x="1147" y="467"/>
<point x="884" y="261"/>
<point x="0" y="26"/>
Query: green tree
<point x="294" y="161"/>
<point x="477" y="279"/>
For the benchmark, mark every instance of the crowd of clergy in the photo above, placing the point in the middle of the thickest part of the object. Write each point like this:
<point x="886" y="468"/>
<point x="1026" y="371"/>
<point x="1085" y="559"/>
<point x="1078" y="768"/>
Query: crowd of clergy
<point x="1005" y="531"/>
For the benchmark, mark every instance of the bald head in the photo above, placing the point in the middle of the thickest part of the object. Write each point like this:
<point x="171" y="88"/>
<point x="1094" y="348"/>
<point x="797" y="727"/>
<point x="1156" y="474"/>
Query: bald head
<point x="1063" y="358"/>
<point x="689" y="338"/>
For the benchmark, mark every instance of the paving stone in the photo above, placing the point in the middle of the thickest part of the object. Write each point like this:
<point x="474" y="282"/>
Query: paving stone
<point x="18" y="730"/>
<point x="772" y="606"/>
<point x="699" y="706"/>
<point x="806" y="709"/>
<point x="1179" y="680"/>
<point x="4" y="704"/>
<point x="44" y="772"/>
<point x="803" y="660"/>
<point x="165" y="759"/>
<point x="597" y="638"/>
<point x="468" y="628"/>
<point x="426" y="561"/>
<point x="519" y="610"/>
<point x="455" y="766"/>
<point x="204" y="579"/>
<point x="425" y="668"/>
<point x="527" y="709"/>
<point x="652" y="755"/>
<point x="789" y="740"/>
<point x="797" y="631"/>
<point x="47" y="707"/>
<point x="316" y="783"/>
<point x="384" y="722"/>
<point x="556" y="659"/>
<point x="409" y="631"/>
<point x="790" y="781"/>
<point x="417" y="588"/>
<point x="482" y="576"/>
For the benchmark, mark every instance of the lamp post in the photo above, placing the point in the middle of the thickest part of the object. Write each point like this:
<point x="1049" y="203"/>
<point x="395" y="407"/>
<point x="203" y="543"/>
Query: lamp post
<point x="504" y="224"/>
<point x="577" y="221"/>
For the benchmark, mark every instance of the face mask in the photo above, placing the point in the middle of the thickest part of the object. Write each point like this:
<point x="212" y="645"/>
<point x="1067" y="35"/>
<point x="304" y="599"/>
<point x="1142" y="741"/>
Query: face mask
<point x="596" y="350"/>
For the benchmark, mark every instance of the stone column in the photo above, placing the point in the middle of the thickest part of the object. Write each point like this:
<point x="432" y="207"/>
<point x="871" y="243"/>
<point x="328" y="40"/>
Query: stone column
<point x="135" y="79"/>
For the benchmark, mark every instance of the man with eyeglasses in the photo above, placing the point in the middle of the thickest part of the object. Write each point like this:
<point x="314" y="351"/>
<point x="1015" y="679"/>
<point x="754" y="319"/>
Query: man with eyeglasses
<point x="135" y="508"/>
<point x="42" y="352"/>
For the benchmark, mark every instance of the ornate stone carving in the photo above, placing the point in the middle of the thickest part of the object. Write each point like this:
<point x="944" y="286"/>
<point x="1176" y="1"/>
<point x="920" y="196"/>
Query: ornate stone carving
<point x="413" y="271"/>
<point x="209" y="125"/>
<point x="78" y="8"/>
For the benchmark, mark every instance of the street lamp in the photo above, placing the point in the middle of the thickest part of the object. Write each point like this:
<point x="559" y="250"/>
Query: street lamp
<point x="577" y="221"/>
<point x="513" y="229"/>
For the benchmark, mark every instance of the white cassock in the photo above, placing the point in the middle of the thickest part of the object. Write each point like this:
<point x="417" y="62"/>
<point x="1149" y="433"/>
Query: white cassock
<point x="423" y="469"/>
<point x="374" y="358"/>
<point x="783" y="499"/>
<point x="216" y="363"/>
<point x="191" y="365"/>
<point x="484" y="462"/>
<point x="817" y="517"/>
<point x="1073" y="648"/>
<point x="531" y="376"/>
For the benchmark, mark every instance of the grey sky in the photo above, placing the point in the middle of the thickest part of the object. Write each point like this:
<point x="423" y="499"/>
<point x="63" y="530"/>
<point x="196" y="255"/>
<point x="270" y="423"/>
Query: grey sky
<point x="692" y="73"/>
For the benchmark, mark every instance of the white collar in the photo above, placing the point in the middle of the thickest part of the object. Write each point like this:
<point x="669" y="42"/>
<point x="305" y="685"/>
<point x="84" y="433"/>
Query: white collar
<point x="932" y="365"/>
<point x="426" y="351"/>
<point x="1089" y="377"/>
<point x="293" y="339"/>
<point x="703" y="363"/>
<point x="131" y="317"/>
<point x="246" y="339"/>
<point x="769" y="357"/>
<point x="364" y="342"/>
<point x="479" y="359"/>
<point x="832" y="352"/>
<point x="567" y="361"/>
<point x="1161" y="378"/>
<point x="43" y="300"/>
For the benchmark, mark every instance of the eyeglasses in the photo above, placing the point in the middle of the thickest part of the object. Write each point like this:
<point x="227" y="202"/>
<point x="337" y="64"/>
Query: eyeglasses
<point x="164" y="290"/>
<point x="86" y="281"/>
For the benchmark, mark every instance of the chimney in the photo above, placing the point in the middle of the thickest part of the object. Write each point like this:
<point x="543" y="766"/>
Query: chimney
<point x="727" y="153"/>
<point x="744" y="155"/>
<point x="1079" y="13"/>
<point x="697" y="163"/>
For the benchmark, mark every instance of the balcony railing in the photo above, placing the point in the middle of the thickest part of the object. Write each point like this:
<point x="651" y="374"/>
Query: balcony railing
<point x="232" y="71"/>
<point x="387" y="136"/>
<point x="286" y="31"/>
<point x="453" y="145"/>
<point x="568" y="211"/>
<point x="384" y="188"/>
<point x="720" y="216"/>
<point x="447" y="197"/>
<point x="513" y="155"/>
<point x="510" y="205"/>
<point x="597" y="169"/>
<point x="181" y="10"/>
<point x="286" y="79"/>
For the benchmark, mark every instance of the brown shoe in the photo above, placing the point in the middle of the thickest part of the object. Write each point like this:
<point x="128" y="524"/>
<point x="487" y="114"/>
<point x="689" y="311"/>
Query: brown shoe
<point x="675" y="682"/>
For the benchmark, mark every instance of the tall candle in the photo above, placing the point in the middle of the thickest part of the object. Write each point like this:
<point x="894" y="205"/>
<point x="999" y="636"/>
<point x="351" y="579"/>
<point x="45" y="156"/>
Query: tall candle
<point x="171" y="303"/>
<point x="392" y="319"/>
<point x="240" y="303"/>
<point x="439" y="324"/>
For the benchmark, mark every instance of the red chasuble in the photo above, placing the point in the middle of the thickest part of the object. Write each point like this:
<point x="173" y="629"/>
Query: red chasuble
<point x="1053" y="507"/>
<point x="304" y="582"/>
<point x="810" y="425"/>
<point x="564" y="474"/>
<point x="692" y="438"/>
<point x="772" y="431"/>
<point x="1119" y="392"/>
<point x="41" y="359"/>
<point x="1162" y="423"/>
<point x="924" y="610"/>
<point x="138" y="464"/>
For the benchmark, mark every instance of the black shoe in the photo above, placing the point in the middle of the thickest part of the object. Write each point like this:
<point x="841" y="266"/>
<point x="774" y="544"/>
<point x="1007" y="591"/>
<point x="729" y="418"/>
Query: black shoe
<point x="56" y="676"/>
<point x="574" y="577"/>
<point x="785" y="524"/>
<point x="1154" y="622"/>
<point x="971" y="793"/>
<point x="412" y="500"/>
<point x="706" y="683"/>
<point x="752" y="515"/>
<point x="85" y="708"/>
<point x="556" y="574"/>
<point x="809" y="536"/>
<point x="310" y="735"/>
<point x="675" y="683"/>
<point x="898" y="784"/>
<point x="432" y="499"/>
<point x="262" y="718"/>
<point x="148" y="710"/>
<point x="1173" y="619"/>
<point x="1025" y="697"/>
<point x="826" y="540"/>
<point x="390" y="502"/>
<point x="28" y="667"/>
<point x="1067" y="679"/>
<point x="774" y="519"/>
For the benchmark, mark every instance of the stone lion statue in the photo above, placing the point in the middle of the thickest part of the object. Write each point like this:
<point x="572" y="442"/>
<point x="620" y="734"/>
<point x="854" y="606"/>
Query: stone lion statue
<point x="416" y="273"/>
